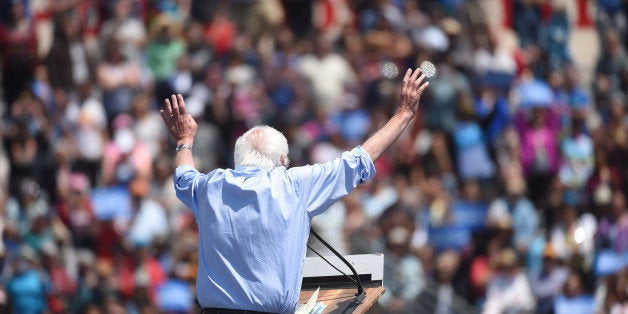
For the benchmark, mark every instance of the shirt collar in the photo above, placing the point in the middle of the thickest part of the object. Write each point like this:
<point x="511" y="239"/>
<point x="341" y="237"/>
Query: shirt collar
<point x="248" y="169"/>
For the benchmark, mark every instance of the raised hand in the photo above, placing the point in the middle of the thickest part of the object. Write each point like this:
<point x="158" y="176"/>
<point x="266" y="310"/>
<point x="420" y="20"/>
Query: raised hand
<point x="181" y="125"/>
<point x="411" y="90"/>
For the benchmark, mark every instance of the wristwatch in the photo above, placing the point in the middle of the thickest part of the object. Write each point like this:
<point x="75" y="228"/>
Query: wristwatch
<point x="182" y="147"/>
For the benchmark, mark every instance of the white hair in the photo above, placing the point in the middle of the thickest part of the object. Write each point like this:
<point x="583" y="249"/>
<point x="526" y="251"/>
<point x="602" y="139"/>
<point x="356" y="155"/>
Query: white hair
<point x="262" y="147"/>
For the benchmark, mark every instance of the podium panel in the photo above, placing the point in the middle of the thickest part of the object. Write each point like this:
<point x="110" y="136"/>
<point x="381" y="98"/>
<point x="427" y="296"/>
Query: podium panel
<point x="337" y="292"/>
<point x="342" y="300"/>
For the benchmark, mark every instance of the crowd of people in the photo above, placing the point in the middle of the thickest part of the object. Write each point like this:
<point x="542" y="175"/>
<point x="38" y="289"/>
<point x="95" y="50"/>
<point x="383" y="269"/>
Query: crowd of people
<point x="508" y="194"/>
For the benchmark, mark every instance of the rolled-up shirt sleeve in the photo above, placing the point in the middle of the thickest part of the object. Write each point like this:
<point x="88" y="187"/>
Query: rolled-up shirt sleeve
<point x="186" y="184"/>
<point x="321" y="185"/>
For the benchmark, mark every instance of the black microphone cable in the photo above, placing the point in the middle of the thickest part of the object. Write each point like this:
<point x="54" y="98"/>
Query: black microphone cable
<point x="360" y="293"/>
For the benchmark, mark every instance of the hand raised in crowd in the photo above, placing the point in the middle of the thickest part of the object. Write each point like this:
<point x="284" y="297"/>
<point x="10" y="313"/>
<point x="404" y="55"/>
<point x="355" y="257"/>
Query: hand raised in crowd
<point x="411" y="90"/>
<point x="181" y="125"/>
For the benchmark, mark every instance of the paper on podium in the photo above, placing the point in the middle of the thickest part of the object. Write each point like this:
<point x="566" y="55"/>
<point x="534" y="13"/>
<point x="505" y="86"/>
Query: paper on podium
<point x="311" y="306"/>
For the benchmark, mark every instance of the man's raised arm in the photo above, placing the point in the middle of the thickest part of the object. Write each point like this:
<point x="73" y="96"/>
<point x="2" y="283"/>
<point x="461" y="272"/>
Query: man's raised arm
<point x="182" y="127"/>
<point x="411" y="92"/>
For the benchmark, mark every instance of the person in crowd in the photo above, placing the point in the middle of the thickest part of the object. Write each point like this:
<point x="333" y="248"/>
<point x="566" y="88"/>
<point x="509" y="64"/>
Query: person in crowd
<point x="119" y="78"/>
<point x="549" y="282"/>
<point x="539" y="149"/>
<point x="516" y="210"/>
<point x="68" y="60"/>
<point x="572" y="236"/>
<point x="18" y="44"/>
<point x="612" y="65"/>
<point x="125" y="157"/>
<point x="441" y="297"/>
<point x="328" y="73"/>
<point x="126" y="28"/>
<point x="76" y="211"/>
<point x="28" y="290"/>
<point x="404" y="277"/>
<point x="472" y="154"/>
<point x="508" y="290"/>
<point x="89" y="128"/>
<point x="612" y="227"/>
<point x="164" y="48"/>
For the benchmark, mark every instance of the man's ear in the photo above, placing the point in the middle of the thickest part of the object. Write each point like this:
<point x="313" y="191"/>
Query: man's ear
<point x="284" y="160"/>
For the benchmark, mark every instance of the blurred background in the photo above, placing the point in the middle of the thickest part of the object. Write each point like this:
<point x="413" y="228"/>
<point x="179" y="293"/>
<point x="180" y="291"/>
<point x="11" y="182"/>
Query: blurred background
<point x="506" y="195"/>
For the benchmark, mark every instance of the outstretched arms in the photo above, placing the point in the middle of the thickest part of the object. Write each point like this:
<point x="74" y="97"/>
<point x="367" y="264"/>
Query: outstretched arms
<point x="411" y="92"/>
<point x="182" y="127"/>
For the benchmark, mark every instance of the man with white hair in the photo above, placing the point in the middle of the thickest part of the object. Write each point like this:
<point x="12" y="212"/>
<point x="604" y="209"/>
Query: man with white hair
<point x="254" y="220"/>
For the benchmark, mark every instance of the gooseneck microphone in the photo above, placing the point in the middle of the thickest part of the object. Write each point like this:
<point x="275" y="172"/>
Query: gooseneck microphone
<point x="361" y="294"/>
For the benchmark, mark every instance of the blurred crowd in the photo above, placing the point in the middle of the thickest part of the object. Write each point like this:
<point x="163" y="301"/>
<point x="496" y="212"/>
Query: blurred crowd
<point x="507" y="194"/>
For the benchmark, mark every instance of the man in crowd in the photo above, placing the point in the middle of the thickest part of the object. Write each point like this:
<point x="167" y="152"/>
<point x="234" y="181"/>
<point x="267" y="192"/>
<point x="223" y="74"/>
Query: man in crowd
<point x="254" y="219"/>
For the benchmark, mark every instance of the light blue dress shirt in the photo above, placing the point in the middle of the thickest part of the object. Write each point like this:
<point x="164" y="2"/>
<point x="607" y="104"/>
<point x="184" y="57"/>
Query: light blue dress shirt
<point x="254" y="224"/>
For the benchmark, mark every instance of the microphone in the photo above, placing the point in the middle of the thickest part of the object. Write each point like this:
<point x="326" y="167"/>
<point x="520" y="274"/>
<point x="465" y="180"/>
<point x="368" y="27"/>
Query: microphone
<point x="361" y="294"/>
